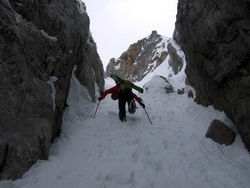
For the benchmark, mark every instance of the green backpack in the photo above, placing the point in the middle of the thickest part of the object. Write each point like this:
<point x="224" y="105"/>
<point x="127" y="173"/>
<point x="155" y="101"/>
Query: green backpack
<point x="125" y="84"/>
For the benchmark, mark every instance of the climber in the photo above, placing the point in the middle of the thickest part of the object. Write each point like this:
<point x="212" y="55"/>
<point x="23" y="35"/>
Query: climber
<point x="124" y="95"/>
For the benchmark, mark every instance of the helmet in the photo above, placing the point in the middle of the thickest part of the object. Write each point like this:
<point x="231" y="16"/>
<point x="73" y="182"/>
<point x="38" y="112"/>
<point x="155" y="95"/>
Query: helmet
<point x="114" y="96"/>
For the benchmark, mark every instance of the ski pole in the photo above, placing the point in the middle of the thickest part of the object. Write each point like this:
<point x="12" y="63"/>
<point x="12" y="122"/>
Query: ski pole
<point x="96" y="109"/>
<point x="148" y="116"/>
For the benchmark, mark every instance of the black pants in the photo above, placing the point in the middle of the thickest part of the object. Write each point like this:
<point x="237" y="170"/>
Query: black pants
<point x="125" y="95"/>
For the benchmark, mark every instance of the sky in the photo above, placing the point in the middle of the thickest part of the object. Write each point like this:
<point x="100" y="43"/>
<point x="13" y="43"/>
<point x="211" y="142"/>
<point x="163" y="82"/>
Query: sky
<point x="116" y="24"/>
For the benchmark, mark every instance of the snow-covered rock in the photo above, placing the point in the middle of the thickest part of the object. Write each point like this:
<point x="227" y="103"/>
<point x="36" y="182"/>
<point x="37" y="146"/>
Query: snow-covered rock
<point x="141" y="58"/>
<point x="158" y="84"/>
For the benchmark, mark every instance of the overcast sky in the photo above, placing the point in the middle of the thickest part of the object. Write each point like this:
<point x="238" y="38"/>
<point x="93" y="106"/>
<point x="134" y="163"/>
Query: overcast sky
<point x="115" y="24"/>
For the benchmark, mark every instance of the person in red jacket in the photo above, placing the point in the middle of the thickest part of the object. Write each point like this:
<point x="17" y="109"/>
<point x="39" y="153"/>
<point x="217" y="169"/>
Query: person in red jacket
<point x="124" y="96"/>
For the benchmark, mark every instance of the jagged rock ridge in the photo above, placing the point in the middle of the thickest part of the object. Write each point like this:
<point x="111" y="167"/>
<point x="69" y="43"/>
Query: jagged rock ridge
<point x="40" y="43"/>
<point x="214" y="36"/>
<point x="141" y="58"/>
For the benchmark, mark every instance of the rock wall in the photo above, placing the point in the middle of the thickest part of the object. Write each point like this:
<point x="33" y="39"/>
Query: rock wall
<point x="176" y="56"/>
<point x="40" y="43"/>
<point x="141" y="58"/>
<point x="215" y="36"/>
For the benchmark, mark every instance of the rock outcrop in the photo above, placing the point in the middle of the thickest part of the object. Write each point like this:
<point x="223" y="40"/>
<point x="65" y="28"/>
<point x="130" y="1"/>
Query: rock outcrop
<point x="40" y="43"/>
<point x="141" y="58"/>
<point x="176" y="56"/>
<point x="158" y="82"/>
<point x="214" y="36"/>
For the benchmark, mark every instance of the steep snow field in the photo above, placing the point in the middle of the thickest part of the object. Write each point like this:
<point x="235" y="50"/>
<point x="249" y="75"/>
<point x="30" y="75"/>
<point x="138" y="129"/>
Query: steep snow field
<point x="171" y="153"/>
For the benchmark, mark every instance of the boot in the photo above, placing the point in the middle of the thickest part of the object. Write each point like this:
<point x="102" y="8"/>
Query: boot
<point x="132" y="107"/>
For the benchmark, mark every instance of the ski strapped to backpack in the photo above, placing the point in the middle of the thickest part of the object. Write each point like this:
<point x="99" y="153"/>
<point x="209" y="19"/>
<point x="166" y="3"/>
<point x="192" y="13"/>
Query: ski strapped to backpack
<point x="126" y="84"/>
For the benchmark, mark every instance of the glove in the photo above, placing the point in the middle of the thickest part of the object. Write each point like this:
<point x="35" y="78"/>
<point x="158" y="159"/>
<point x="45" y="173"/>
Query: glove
<point x="143" y="105"/>
<point x="100" y="98"/>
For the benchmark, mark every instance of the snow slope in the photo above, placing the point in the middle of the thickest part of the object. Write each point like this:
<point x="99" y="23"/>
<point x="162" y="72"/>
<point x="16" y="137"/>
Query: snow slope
<point x="106" y="153"/>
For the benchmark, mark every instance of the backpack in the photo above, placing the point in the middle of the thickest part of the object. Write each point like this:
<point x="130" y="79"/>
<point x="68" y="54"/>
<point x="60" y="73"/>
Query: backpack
<point x="125" y="84"/>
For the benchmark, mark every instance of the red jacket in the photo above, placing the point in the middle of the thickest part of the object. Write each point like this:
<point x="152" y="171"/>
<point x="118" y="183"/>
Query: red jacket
<point x="115" y="90"/>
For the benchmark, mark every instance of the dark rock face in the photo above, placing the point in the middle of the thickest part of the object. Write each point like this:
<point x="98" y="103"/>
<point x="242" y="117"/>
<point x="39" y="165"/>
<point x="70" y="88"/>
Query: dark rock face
<point x="140" y="59"/>
<point x="214" y="36"/>
<point x="220" y="133"/>
<point x="175" y="60"/>
<point x="91" y="70"/>
<point x="40" y="43"/>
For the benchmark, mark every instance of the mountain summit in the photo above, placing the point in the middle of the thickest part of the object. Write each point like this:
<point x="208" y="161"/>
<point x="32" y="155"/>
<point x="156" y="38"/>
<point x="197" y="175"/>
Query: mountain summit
<point x="141" y="58"/>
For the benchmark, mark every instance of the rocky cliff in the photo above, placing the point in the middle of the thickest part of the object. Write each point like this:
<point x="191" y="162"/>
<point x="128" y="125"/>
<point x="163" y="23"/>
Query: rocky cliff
<point x="215" y="37"/>
<point x="40" y="43"/>
<point x="141" y="58"/>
